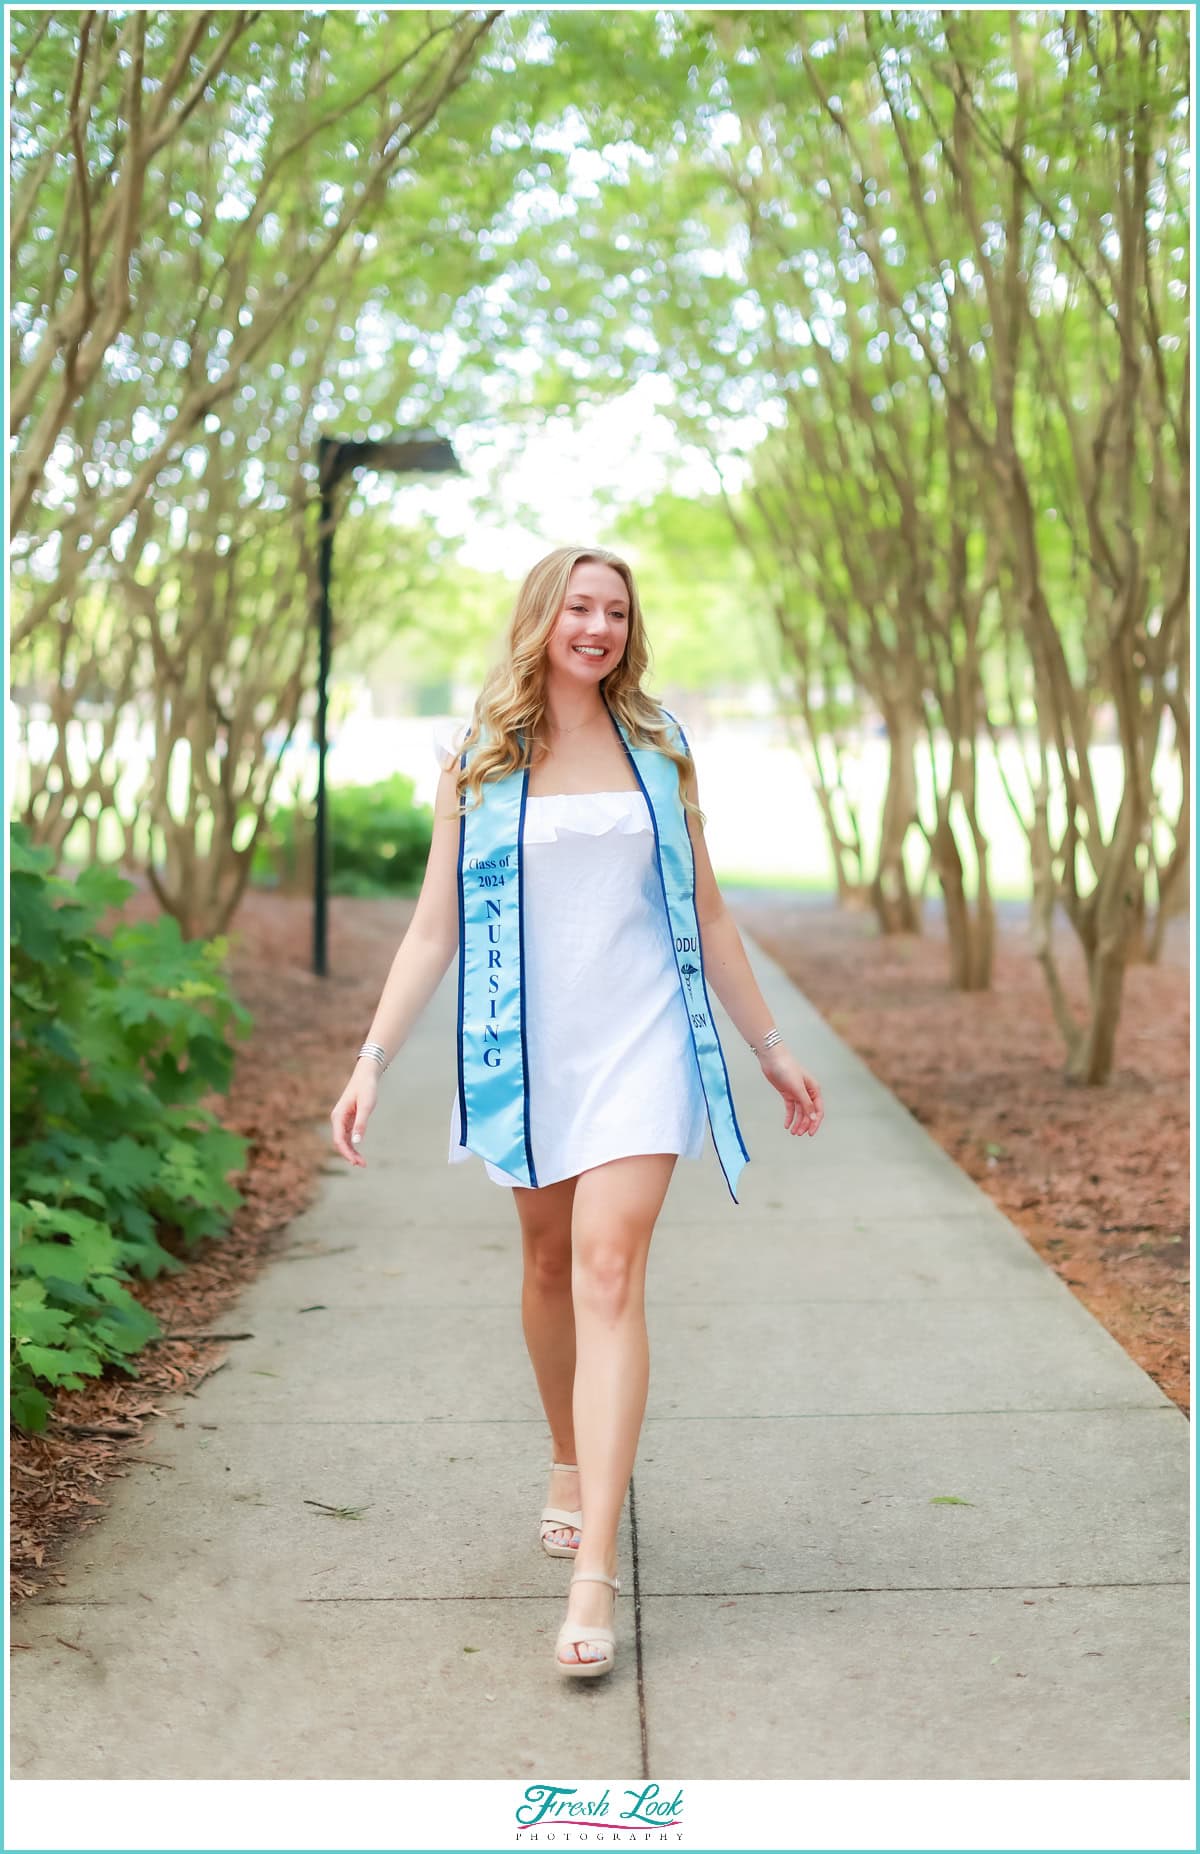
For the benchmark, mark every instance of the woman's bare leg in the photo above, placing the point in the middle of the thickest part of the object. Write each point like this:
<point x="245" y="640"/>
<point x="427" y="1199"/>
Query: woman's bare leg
<point x="548" y="1320"/>
<point x="615" y="1210"/>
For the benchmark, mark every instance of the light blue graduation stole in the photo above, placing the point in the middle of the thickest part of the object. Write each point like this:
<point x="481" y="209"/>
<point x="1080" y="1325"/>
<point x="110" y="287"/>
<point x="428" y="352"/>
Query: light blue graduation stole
<point x="493" y="1080"/>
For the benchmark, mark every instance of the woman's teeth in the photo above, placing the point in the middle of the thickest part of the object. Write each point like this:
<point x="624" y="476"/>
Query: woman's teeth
<point x="586" y="650"/>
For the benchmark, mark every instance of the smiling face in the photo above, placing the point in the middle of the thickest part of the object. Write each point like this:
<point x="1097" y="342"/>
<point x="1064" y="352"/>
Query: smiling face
<point x="592" y="626"/>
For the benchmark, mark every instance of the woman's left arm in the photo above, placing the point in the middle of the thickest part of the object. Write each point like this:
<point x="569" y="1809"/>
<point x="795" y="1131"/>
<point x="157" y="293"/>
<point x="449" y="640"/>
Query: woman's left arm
<point x="727" y="971"/>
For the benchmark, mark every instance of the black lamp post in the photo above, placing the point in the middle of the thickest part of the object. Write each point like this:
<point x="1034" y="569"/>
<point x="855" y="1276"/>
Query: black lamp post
<point x="336" y="457"/>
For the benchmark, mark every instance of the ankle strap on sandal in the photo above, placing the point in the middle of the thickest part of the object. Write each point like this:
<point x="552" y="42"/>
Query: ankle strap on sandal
<point x="568" y="1467"/>
<point x="595" y="1577"/>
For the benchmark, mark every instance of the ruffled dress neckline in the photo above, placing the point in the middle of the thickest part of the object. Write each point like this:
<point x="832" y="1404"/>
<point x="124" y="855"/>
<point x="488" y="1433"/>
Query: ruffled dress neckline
<point x="549" y="815"/>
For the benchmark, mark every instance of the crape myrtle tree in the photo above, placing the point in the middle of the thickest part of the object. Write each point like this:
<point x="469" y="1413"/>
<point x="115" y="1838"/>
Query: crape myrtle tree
<point x="1013" y="186"/>
<point x="1023" y="306"/>
<point x="1061" y="142"/>
<point x="229" y="231"/>
<point x="865" y="494"/>
<point x="924" y="276"/>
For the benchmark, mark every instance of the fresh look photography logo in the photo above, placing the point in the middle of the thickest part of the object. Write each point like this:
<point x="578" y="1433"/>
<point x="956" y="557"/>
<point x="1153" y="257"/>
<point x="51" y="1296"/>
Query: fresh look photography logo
<point x="559" y="1814"/>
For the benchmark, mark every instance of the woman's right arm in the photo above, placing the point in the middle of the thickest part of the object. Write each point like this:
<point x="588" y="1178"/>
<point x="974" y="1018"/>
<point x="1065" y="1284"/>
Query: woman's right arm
<point x="422" y="961"/>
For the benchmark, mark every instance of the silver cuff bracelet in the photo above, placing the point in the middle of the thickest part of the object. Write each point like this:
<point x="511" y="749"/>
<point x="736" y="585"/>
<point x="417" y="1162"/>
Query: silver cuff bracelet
<point x="772" y="1037"/>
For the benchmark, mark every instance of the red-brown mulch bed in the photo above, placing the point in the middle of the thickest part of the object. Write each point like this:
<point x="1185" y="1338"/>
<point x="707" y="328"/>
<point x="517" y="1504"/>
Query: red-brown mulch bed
<point x="287" y="1077"/>
<point x="1096" y="1178"/>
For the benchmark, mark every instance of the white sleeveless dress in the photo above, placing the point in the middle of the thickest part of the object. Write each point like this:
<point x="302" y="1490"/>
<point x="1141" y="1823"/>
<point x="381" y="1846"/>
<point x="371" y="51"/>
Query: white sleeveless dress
<point x="612" y="1070"/>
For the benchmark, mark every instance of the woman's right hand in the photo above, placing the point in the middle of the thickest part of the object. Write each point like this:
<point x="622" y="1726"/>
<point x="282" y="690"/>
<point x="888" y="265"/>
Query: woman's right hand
<point x="354" y="1109"/>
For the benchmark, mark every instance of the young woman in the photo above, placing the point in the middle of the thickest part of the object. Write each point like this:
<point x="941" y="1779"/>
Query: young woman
<point x="567" y="865"/>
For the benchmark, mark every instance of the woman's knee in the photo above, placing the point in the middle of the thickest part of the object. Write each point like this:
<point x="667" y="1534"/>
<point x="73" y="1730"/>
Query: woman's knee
<point x="607" y="1264"/>
<point x="548" y="1260"/>
<point x="615" y="1209"/>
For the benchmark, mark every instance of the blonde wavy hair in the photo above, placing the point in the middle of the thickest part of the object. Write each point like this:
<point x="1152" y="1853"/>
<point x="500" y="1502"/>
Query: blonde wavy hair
<point x="510" y="708"/>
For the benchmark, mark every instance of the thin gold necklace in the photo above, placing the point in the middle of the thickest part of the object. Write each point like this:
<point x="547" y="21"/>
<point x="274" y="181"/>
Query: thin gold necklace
<point x="577" y="726"/>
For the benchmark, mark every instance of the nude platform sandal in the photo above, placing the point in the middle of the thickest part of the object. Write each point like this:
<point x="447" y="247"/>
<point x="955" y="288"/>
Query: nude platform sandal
<point x="576" y="1632"/>
<point x="553" y="1516"/>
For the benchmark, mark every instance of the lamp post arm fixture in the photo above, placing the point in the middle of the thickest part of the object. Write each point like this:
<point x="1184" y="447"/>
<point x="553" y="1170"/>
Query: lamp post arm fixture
<point x="336" y="458"/>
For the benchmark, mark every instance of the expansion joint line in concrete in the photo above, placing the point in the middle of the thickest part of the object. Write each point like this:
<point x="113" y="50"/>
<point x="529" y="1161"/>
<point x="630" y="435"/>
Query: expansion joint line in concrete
<point x="898" y="1590"/>
<point x="749" y="1416"/>
<point x="643" y="1730"/>
<point x="1131" y="1583"/>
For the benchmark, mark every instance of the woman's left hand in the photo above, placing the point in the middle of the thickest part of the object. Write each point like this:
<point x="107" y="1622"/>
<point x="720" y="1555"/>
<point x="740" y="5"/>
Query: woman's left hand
<point x="805" y="1109"/>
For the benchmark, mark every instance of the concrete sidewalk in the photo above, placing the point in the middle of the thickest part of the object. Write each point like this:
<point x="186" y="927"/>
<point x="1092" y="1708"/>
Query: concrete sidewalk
<point x="901" y="1508"/>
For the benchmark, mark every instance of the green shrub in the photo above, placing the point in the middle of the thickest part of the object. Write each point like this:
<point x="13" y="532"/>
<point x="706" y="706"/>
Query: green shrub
<point x="115" y="1039"/>
<point x="378" y="840"/>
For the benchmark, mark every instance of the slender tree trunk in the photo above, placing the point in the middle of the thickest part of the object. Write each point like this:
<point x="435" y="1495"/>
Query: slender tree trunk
<point x="1172" y="900"/>
<point x="970" y="930"/>
<point x="1138" y="950"/>
<point x="852" y="889"/>
<point x="816" y="739"/>
<point x="896" y="908"/>
<point x="983" y="952"/>
<point x="1092" y="1061"/>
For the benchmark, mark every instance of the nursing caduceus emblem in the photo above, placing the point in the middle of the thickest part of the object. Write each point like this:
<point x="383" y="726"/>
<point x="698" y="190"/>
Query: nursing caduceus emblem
<point x="689" y="972"/>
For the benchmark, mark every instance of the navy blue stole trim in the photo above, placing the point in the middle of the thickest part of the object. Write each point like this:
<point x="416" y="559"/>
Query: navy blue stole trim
<point x="521" y="956"/>
<point x="703" y="981"/>
<point x="462" y="963"/>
